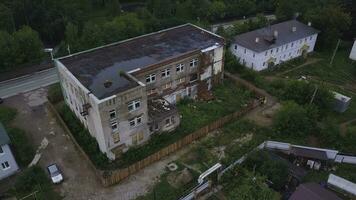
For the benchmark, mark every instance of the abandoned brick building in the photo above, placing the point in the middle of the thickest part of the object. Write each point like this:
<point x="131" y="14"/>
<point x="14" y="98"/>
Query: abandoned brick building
<point x="126" y="91"/>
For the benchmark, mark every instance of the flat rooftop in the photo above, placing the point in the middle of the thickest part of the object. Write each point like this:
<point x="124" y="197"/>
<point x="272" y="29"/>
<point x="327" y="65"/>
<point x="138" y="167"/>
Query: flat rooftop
<point x="93" y="67"/>
<point x="285" y="35"/>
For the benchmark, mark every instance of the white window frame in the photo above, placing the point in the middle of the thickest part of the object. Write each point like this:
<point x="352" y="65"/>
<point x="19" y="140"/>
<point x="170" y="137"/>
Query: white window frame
<point x="194" y="62"/>
<point x="112" y="112"/>
<point x="166" y="73"/>
<point x="135" y="104"/>
<point x="151" y="78"/>
<point x="180" y="68"/>
<point x="191" y="81"/>
<point x="135" y="121"/>
<point x="112" y="124"/>
<point x="5" y="165"/>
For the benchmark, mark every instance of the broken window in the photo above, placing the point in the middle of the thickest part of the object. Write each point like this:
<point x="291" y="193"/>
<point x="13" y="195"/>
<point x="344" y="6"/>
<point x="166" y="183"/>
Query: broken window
<point x="114" y="126"/>
<point x="112" y="114"/>
<point x="193" y="77"/>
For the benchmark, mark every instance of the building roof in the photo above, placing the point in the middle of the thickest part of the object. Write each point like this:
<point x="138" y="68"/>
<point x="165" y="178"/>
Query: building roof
<point x="4" y="138"/>
<point x="93" y="67"/>
<point x="313" y="191"/>
<point x="266" y="35"/>
<point x="309" y="153"/>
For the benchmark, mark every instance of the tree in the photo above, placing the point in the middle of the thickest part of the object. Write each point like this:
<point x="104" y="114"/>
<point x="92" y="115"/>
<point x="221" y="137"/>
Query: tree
<point x="91" y="36"/>
<point x="286" y="9"/>
<point x="216" y="10"/>
<point x="72" y="38"/>
<point x="114" y="7"/>
<point x="295" y="120"/>
<point x="6" y="19"/>
<point x="252" y="187"/>
<point x="7" y="50"/>
<point x="29" y="47"/>
<point x="332" y="20"/>
<point x="161" y="8"/>
<point x="275" y="170"/>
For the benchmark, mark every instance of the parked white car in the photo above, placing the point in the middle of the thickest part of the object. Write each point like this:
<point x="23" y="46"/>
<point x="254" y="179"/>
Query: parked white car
<point x="55" y="173"/>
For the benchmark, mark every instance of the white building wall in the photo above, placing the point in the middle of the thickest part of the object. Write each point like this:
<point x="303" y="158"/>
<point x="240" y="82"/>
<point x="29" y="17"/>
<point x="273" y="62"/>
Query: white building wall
<point x="8" y="157"/>
<point x="259" y="60"/>
<point x="75" y="94"/>
<point x="353" y="52"/>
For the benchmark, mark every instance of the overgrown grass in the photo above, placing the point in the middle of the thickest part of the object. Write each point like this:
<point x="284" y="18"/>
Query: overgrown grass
<point x="21" y="147"/>
<point x="163" y="190"/>
<point x="229" y="98"/>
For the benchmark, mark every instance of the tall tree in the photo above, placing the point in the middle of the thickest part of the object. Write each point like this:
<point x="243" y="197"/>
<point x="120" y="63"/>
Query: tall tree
<point x="29" y="47"/>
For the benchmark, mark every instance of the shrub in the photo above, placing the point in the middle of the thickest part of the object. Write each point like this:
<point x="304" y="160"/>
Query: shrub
<point x="55" y="93"/>
<point x="275" y="170"/>
<point x="295" y="120"/>
<point x="83" y="137"/>
<point x="23" y="150"/>
<point x="34" y="179"/>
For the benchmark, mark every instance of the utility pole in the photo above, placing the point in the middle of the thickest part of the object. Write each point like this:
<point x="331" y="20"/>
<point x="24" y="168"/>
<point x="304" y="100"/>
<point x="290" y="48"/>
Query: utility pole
<point x="335" y="50"/>
<point x="312" y="99"/>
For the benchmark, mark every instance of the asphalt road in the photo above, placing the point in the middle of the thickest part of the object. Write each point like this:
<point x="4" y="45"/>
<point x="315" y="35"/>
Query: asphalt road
<point x="27" y="83"/>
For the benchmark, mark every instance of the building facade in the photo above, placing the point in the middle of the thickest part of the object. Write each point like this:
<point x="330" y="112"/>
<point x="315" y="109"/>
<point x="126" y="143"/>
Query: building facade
<point x="126" y="91"/>
<point x="273" y="45"/>
<point x="8" y="165"/>
<point x="353" y="51"/>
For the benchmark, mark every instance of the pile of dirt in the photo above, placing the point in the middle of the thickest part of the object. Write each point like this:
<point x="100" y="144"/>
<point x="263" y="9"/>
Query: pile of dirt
<point x="180" y="178"/>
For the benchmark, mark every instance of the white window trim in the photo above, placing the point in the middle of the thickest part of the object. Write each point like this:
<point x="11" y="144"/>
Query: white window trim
<point x="135" y="121"/>
<point x="112" y="111"/>
<point x="166" y="73"/>
<point x="117" y="126"/>
<point x="151" y="78"/>
<point x="194" y="62"/>
<point x="134" y="106"/>
<point x="180" y="68"/>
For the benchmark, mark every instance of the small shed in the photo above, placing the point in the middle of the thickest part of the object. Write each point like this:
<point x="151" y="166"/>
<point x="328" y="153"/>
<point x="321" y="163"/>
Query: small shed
<point x="341" y="103"/>
<point x="353" y="51"/>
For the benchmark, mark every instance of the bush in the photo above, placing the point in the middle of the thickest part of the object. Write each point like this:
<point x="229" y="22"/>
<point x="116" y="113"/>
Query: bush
<point x="275" y="170"/>
<point x="23" y="150"/>
<point x="295" y="120"/>
<point x="34" y="179"/>
<point x="83" y="137"/>
<point x="55" y="93"/>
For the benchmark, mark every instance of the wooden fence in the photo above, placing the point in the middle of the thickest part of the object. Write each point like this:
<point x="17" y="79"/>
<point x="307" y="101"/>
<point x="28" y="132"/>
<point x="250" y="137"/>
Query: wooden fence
<point x="108" y="178"/>
<point x="115" y="176"/>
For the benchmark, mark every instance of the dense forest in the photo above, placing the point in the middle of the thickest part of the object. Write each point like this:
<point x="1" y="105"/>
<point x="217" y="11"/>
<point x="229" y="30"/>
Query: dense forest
<point x="26" y="26"/>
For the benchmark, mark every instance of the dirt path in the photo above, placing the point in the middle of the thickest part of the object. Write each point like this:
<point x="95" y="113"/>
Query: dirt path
<point x="261" y="115"/>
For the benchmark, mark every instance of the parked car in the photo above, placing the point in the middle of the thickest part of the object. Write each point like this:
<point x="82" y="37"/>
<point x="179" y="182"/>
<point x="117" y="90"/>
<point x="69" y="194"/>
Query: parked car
<point x="55" y="173"/>
<point x="1" y="100"/>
